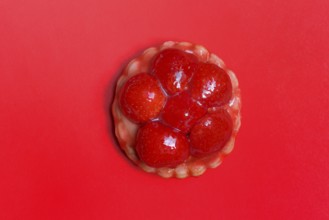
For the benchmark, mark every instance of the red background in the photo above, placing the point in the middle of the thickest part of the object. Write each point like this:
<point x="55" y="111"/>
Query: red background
<point x="58" y="64"/>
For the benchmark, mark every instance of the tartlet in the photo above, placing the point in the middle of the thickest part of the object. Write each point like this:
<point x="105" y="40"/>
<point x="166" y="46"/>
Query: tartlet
<point x="195" y="143"/>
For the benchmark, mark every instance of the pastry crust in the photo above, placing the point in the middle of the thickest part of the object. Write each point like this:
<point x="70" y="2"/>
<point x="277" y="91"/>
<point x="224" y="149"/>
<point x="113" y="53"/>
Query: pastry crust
<point x="125" y="130"/>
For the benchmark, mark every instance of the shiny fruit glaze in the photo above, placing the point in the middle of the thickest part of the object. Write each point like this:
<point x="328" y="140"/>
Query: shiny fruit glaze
<point x="177" y="110"/>
<point x="210" y="133"/>
<point x="159" y="145"/>
<point x="182" y="112"/>
<point x="142" y="99"/>
<point x="211" y="85"/>
<point x="174" y="69"/>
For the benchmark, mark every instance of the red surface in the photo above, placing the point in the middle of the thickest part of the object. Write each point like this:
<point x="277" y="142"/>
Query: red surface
<point x="58" y="64"/>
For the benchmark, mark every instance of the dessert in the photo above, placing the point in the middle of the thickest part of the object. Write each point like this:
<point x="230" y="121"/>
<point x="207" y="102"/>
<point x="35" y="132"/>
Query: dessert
<point x="177" y="110"/>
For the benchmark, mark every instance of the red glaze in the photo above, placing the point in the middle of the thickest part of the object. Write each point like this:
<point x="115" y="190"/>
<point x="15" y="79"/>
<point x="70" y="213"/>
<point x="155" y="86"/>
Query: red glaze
<point x="174" y="68"/>
<point x="161" y="146"/>
<point x="211" y="85"/>
<point x="182" y="112"/>
<point x="142" y="98"/>
<point x="210" y="133"/>
<point x="174" y="104"/>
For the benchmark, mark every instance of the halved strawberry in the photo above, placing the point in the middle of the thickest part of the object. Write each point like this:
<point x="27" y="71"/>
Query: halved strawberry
<point x="211" y="85"/>
<point x="210" y="133"/>
<point x="142" y="98"/>
<point x="182" y="112"/>
<point x="174" y="68"/>
<point x="160" y="146"/>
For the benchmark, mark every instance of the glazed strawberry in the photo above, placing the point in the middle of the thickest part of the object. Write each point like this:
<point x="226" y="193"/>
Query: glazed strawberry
<point x="174" y="68"/>
<point x="142" y="98"/>
<point x="211" y="85"/>
<point x="161" y="146"/>
<point x="211" y="133"/>
<point x="182" y="112"/>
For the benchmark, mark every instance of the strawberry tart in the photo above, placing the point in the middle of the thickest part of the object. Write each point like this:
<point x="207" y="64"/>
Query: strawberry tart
<point x="177" y="110"/>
